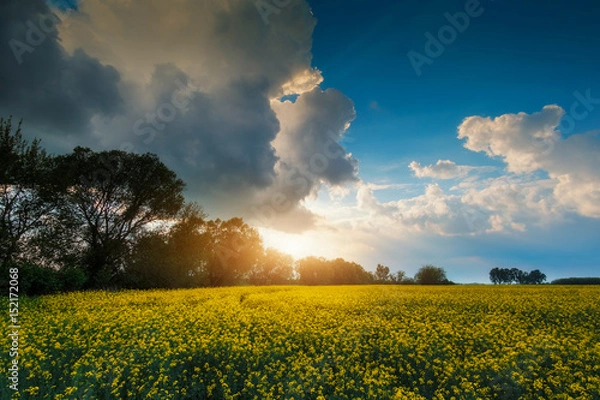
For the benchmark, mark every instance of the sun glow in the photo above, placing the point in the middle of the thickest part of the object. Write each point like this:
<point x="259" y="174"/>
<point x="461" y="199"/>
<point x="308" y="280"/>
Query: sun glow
<point x="296" y="245"/>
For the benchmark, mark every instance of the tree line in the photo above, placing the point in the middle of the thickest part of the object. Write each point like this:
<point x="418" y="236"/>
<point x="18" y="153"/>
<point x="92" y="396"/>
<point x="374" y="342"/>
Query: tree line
<point x="113" y="219"/>
<point x="577" y="281"/>
<point x="515" y="275"/>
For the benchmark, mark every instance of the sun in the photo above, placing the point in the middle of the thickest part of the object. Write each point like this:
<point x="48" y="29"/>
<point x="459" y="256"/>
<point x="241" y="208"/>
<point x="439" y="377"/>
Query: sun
<point x="296" y="245"/>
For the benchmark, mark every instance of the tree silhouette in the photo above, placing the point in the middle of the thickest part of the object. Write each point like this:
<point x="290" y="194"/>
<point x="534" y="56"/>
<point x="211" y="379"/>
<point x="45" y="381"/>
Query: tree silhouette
<point x="382" y="274"/>
<point x="234" y="249"/>
<point x="431" y="275"/>
<point x="23" y="173"/>
<point x="273" y="268"/>
<point x="106" y="199"/>
<point x="508" y="276"/>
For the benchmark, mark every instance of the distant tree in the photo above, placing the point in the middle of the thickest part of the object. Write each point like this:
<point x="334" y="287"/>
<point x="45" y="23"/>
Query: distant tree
<point x="188" y="243"/>
<point x="319" y="271"/>
<point x="400" y="277"/>
<point x="508" y="276"/>
<point x="195" y="252"/>
<point x="536" y="277"/>
<point x="347" y="273"/>
<point x="382" y="274"/>
<point x="517" y="276"/>
<point x="234" y="249"/>
<point x="431" y="275"/>
<point x="24" y="168"/>
<point x="408" y="281"/>
<point x="495" y="276"/>
<point x="577" y="281"/>
<point x="105" y="200"/>
<point x="273" y="268"/>
<point x="149" y="265"/>
<point x="313" y="271"/>
<point x="504" y="275"/>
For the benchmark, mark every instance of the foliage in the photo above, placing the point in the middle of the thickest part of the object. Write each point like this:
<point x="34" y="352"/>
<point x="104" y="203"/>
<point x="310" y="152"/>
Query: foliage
<point x="319" y="271"/>
<point x="23" y="173"/>
<point x="431" y="275"/>
<point x="274" y="268"/>
<point x="576" y="281"/>
<point x="505" y="275"/>
<point x="351" y="342"/>
<point x="108" y="198"/>
<point x="36" y="280"/>
<point x="234" y="249"/>
<point x="382" y="274"/>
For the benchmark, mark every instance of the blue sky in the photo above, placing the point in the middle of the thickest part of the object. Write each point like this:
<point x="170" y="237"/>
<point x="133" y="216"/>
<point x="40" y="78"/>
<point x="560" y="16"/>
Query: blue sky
<point x="244" y="100"/>
<point x="515" y="57"/>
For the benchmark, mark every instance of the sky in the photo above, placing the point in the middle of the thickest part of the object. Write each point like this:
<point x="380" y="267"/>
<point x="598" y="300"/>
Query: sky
<point x="462" y="134"/>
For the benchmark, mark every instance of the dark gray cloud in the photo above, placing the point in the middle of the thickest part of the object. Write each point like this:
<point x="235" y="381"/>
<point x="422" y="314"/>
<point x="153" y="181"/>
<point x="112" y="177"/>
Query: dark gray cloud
<point x="219" y="141"/>
<point x="41" y="82"/>
<point x="198" y="84"/>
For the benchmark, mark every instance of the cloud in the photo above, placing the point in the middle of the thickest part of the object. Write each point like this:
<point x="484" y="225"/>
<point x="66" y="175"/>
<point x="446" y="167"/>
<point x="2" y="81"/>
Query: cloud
<point x="309" y="156"/>
<point x="443" y="169"/>
<point x="547" y="180"/>
<point x="201" y="85"/>
<point x="521" y="140"/>
<point x="212" y="42"/>
<point x="532" y="142"/>
<point x="52" y="89"/>
<point x="311" y="129"/>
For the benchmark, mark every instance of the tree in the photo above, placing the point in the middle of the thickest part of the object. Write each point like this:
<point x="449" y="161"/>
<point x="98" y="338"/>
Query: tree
<point x="313" y="271"/>
<point x="233" y="251"/>
<point x="273" y="268"/>
<point x="347" y="273"/>
<point x="188" y="241"/>
<point x="518" y="276"/>
<point x="495" y="275"/>
<point x="319" y="271"/>
<point x="508" y="276"/>
<point x="536" y="277"/>
<point x="107" y="199"/>
<point x="382" y="274"/>
<point x="149" y="263"/>
<point x="400" y="276"/>
<point x="171" y="258"/>
<point x="22" y="176"/>
<point x="431" y="275"/>
<point x="577" y="281"/>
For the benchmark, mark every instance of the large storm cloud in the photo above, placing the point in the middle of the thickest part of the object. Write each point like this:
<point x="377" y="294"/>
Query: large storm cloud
<point x="201" y="84"/>
<point x="53" y="90"/>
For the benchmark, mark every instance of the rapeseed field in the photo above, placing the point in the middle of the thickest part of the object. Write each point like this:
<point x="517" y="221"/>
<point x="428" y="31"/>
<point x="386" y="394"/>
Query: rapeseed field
<point x="351" y="342"/>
